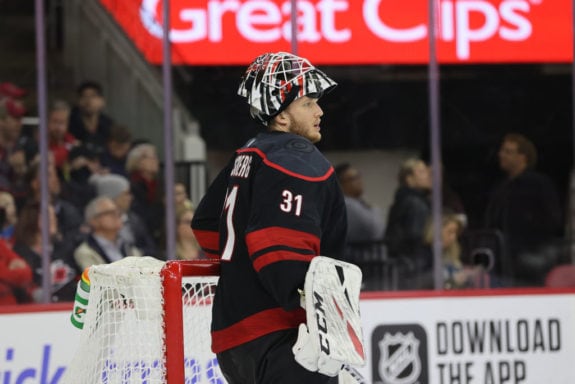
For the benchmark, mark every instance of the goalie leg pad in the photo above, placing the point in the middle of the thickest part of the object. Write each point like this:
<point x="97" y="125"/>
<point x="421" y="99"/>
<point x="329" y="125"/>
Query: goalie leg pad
<point x="334" y="336"/>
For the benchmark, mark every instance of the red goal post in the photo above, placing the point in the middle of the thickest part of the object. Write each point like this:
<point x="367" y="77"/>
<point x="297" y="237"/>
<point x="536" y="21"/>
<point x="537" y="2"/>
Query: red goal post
<point x="173" y="274"/>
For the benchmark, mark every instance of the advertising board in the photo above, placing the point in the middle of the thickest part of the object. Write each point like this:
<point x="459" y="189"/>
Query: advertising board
<point x="225" y="32"/>
<point x="471" y="337"/>
<point x="511" y="338"/>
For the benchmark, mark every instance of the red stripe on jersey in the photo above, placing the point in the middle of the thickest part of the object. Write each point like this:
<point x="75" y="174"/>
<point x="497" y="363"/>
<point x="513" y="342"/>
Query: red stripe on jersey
<point x="208" y="240"/>
<point x="273" y="236"/>
<point x="284" y="170"/>
<point x="258" y="325"/>
<point x="275" y="256"/>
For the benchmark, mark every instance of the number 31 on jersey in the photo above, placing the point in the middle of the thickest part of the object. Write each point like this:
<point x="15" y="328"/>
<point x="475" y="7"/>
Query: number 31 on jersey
<point x="290" y="204"/>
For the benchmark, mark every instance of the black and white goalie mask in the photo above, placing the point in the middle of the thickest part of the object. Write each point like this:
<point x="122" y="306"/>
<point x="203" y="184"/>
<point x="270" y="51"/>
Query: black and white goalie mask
<point x="274" y="80"/>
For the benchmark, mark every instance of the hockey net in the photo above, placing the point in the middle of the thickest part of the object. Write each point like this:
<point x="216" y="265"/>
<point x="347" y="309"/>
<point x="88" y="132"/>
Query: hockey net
<point x="148" y="322"/>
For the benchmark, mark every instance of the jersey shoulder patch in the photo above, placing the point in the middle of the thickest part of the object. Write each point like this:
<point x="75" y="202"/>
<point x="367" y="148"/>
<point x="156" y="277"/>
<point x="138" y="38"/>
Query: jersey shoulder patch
<point x="290" y="154"/>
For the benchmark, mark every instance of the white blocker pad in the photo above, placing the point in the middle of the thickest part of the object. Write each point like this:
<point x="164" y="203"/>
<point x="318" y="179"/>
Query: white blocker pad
<point x="334" y="335"/>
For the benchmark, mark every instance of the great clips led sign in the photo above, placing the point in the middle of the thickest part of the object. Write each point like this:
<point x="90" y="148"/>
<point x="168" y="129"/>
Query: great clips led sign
<point x="225" y="32"/>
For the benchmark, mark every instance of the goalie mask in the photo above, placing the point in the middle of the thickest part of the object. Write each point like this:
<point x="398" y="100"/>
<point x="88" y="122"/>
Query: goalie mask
<point x="274" y="80"/>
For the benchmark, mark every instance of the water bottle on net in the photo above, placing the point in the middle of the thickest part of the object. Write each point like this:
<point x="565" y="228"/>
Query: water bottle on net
<point x="81" y="300"/>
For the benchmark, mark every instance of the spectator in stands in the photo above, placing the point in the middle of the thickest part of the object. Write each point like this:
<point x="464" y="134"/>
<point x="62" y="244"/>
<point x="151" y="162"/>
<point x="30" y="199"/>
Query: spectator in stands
<point x="408" y="215"/>
<point x="187" y="247"/>
<point x="60" y="141"/>
<point x="456" y="274"/>
<point x="15" y="273"/>
<point x="88" y="122"/>
<point x="10" y="90"/>
<point x="28" y="244"/>
<point x="8" y="217"/>
<point x="15" y="277"/>
<point x="525" y="208"/>
<point x="83" y="163"/>
<point x="69" y="218"/>
<point x="365" y="222"/>
<point x="181" y="197"/>
<point x="103" y="245"/>
<point x="143" y="167"/>
<point x="134" y="230"/>
<point x="117" y="147"/>
<point x="14" y="147"/>
<point x="12" y="134"/>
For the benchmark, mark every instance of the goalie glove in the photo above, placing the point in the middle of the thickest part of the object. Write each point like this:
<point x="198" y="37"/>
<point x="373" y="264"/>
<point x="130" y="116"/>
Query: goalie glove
<point x="333" y="334"/>
<point x="307" y="355"/>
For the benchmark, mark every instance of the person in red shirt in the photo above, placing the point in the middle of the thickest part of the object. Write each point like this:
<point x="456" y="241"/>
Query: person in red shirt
<point x="8" y="217"/>
<point x="60" y="140"/>
<point x="15" y="277"/>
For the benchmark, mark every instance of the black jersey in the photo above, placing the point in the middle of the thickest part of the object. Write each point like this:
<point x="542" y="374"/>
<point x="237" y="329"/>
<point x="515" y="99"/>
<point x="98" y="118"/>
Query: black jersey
<point x="275" y="206"/>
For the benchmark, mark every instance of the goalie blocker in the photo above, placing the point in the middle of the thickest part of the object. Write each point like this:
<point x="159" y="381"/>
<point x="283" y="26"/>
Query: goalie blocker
<point x="332" y="337"/>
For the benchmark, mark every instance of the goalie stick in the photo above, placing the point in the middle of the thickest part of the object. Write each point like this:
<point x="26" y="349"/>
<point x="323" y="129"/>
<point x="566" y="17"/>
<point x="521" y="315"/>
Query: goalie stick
<point x="352" y="374"/>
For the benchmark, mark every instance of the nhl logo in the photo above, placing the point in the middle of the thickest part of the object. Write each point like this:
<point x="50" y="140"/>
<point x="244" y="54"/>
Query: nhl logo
<point x="399" y="362"/>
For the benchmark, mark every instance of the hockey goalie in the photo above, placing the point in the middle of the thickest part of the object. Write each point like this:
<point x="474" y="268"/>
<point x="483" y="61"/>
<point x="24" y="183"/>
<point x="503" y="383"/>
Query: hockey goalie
<point x="267" y="216"/>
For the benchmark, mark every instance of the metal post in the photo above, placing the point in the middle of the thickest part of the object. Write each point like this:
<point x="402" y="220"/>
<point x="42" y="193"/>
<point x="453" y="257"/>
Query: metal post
<point x="573" y="84"/>
<point x="435" y="143"/>
<point x="294" y="47"/>
<point x="168" y="136"/>
<point x="42" y="113"/>
<point x="571" y="199"/>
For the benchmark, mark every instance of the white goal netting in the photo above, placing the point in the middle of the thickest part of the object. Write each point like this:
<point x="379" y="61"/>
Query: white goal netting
<point x="123" y="339"/>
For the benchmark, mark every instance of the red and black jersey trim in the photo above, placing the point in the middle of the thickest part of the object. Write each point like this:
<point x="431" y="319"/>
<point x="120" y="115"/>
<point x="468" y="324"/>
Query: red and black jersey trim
<point x="282" y="169"/>
<point x="209" y="241"/>
<point x="273" y="244"/>
<point x="280" y="253"/>
<point x="254" y="326"/>
<point x="282" y="248"/>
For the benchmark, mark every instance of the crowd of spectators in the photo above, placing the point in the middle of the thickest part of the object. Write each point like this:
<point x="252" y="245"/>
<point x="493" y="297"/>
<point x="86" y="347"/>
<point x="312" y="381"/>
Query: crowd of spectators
<point x="518" y="243"/>
<point x="106" y="202"/>
<point x="106" y="199"/>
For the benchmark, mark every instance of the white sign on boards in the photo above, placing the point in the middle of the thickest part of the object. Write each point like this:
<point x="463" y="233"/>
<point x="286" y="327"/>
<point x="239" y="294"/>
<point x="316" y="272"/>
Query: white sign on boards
<point x="501" y="339"/>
